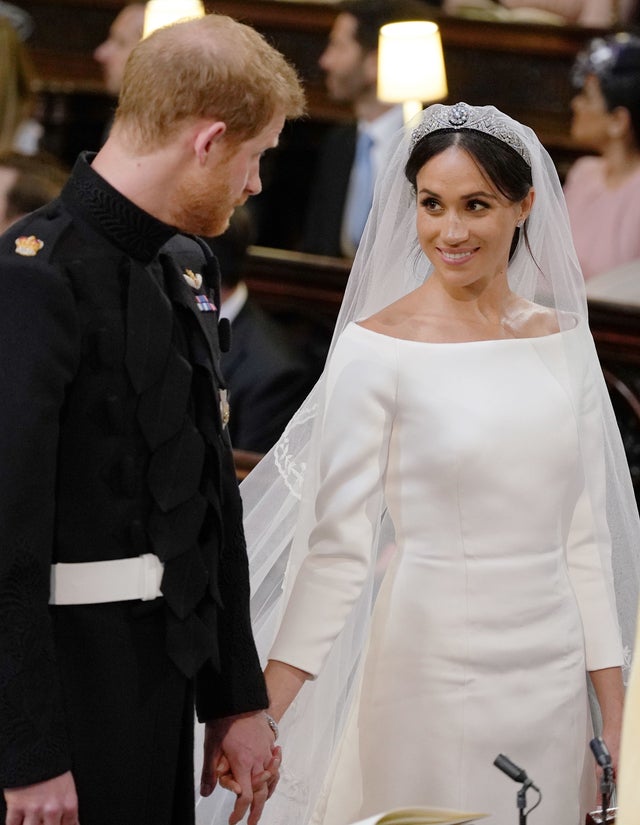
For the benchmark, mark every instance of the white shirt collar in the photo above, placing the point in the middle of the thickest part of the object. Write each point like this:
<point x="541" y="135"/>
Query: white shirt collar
<point x="230" y="308"/>
<point x="382" y="129"/>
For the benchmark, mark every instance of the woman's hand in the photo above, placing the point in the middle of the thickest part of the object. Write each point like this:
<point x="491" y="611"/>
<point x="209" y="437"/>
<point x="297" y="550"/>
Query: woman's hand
<point x="271" y="774"/>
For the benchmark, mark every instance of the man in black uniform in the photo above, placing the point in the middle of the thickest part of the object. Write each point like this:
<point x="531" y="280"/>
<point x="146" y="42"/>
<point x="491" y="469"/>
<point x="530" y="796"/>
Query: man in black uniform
<point x="123" y="572"/>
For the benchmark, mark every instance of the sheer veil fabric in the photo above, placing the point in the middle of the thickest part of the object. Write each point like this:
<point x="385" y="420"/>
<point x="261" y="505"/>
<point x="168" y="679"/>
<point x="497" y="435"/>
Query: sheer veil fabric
<point x="279" y="494"/>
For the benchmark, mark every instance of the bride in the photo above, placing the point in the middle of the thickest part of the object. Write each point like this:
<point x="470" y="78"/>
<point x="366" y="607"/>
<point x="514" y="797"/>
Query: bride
<point x="463" y="420"/>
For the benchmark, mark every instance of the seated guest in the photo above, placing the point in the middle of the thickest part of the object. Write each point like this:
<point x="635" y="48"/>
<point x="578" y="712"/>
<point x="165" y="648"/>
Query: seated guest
<point x="19" y="130"/>
<point x="351" y="155"/>
<point x="598" y="13"/>
<point x="603" y="192"/>
<point x="27" y="182"/>
<point x="267" y="381"/>
<point x="112" y="54"/>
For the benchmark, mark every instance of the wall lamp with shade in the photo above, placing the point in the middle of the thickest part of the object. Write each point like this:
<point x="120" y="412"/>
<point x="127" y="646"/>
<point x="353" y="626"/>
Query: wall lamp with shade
<point x="158" y="13"/>
<point x="411" y="67"/>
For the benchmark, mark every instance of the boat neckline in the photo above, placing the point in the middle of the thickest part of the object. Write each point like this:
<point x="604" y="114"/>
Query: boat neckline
<point x="524" y="339"/>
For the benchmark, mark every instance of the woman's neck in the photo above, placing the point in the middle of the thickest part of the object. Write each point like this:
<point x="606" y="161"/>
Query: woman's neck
<point x="621" y="160"/>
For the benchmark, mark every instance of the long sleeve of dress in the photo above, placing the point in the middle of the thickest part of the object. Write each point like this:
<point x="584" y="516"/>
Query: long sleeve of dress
<point x="589" y="546"/>
<point x="356" y="428"/>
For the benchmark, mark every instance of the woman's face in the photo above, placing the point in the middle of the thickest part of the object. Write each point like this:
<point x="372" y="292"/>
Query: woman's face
<point x="590" y="121"/>
<point x="465" y="225"/>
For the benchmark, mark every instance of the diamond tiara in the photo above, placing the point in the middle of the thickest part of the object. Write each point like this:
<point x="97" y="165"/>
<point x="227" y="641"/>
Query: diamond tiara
<point x="463" y="116"/>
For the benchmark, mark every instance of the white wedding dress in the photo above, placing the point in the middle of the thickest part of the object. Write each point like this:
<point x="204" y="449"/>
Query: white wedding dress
<point x="495" y="602"/>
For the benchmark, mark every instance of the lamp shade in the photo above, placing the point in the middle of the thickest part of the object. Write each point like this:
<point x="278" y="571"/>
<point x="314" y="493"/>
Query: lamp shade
<point x="158" y="13"/>
<point x="411" y="63"/>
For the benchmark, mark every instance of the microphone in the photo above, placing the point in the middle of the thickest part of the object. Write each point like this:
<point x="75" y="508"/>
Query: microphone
<point x="600" y="751"/>
<point x="512" y="770"/>
<point x="518" y="775"/>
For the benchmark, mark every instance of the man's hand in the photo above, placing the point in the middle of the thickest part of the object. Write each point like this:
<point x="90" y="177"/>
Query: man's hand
<point x="240" y="751"/>
<point x="53" y="802"/>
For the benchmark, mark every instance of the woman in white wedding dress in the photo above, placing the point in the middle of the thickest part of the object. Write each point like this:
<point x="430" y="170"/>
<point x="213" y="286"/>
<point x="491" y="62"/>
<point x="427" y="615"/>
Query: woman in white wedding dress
<point x="467" y="409"/>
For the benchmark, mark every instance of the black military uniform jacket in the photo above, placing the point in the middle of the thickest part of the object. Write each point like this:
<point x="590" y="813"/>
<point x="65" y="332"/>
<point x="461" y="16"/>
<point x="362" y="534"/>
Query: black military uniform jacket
<point x="112" y="445"/>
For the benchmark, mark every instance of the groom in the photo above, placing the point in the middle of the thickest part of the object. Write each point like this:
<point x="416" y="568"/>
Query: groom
<point x="124" y="592"/>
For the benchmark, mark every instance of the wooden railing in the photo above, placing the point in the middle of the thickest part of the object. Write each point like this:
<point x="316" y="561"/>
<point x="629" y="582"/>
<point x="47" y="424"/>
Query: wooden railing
<point x="283" y="280"/>
<point x="303" y="293"/>
<point x="245" y="461"/>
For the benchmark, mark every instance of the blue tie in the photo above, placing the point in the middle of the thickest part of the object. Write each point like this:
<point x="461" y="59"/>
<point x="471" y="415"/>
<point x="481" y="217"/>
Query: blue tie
<point x="362" y="188"/>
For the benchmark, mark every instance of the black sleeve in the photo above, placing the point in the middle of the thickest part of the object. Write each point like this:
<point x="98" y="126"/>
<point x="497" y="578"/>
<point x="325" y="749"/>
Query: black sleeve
<point x="39" y="339"/>
<point x="238" y="686"/>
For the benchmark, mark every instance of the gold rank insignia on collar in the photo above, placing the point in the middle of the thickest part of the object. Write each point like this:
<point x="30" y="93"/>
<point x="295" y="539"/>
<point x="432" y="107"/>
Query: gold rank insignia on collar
<point x="194" y="279"/>
<point x="28" y="245"/>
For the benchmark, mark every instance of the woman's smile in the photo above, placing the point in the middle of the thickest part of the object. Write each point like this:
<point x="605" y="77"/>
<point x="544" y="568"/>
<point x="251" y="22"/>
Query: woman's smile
<point x="456" y="256"/>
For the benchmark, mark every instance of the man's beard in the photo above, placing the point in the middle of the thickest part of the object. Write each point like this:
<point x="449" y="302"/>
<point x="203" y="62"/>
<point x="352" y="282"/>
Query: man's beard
<point x="202" y="210"/>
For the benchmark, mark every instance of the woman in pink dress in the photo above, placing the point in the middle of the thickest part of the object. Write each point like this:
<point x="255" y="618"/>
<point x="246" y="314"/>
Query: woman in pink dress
<point x="603" y="191"/>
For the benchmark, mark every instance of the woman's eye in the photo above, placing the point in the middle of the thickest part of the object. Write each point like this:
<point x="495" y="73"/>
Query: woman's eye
<point x="476" y="206"/>
<point x="430" y="204"/>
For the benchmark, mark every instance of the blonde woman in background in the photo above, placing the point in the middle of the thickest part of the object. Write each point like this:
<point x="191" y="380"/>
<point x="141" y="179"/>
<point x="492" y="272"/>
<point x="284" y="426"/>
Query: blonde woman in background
<point x="18" y="129"/>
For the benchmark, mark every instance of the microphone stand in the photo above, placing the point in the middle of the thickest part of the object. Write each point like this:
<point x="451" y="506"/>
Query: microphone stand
<point x="603" y="758"/>
<point x="606" y="789"/>
<point x="504" y="764"/>
<point x="522" y="802"/>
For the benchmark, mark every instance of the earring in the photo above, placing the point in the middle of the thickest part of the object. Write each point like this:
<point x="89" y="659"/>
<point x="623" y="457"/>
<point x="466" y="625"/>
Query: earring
<point x="520" y="224"/>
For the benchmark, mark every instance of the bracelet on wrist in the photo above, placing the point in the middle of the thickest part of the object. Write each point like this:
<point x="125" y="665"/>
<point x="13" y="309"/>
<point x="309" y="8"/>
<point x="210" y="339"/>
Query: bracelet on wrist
<point x="272" y="724"/>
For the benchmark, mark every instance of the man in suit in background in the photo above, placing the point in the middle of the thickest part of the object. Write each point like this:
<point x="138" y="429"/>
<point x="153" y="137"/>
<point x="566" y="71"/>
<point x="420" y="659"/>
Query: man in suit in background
<point x="124" y="587"/>
<point x="352" y="154"/>
<point x="267" y="379"/>
<point x="113" y="53"/>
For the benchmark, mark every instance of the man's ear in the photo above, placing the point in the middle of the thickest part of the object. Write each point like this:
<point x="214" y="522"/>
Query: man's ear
<point x="206" y="137"/>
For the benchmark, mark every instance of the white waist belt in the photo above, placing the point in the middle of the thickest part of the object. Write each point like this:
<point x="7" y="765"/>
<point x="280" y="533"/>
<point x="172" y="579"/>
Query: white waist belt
<point x="95" y="582"/>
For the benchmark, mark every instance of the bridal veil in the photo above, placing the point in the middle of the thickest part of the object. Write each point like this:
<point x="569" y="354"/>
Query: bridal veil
<point x="279" y="494"/>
